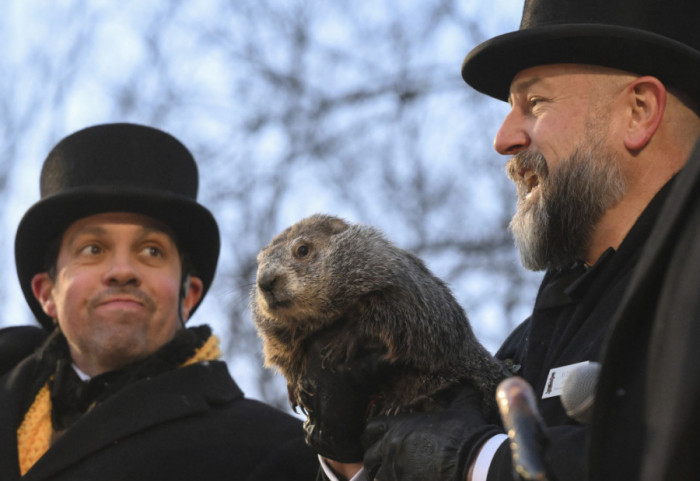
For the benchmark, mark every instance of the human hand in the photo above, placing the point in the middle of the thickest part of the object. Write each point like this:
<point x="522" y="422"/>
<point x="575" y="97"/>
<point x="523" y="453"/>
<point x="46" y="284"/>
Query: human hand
<point x="337" y="399"/>
<point x="436" y="445"/>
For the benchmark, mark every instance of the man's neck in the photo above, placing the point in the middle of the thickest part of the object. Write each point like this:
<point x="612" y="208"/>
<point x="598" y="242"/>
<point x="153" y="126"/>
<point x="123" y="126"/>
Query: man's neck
<point x="612" y="229"/>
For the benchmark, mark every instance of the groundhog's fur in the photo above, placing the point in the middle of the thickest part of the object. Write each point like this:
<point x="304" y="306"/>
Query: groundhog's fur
<point x="324" y="272"/>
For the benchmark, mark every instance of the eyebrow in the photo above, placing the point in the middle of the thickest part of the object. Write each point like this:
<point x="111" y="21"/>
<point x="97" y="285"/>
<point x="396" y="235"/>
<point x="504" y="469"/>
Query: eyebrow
<point x="522" y="85"/>
<point x="87" y="230"/>
<point x="97" y="230"/>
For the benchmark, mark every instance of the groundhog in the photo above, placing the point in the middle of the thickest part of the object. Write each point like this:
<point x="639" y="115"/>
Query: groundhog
<point x="326" y="274"/>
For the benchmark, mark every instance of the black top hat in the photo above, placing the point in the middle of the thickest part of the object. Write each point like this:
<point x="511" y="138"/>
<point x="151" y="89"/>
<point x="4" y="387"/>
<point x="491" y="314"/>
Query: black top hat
<point x="116" y="168"/>
<point x="647" y="37"/>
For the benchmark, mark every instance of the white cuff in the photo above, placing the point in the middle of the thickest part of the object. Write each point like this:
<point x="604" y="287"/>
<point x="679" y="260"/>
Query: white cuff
<point x="359" y="476"/>
<point x="483" y="460"/>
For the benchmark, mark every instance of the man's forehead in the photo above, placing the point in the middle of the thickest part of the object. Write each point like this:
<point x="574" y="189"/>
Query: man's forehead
<point x="533" y="75"/>
<point x="100" y="222"/>
<point x="544" y="73"/>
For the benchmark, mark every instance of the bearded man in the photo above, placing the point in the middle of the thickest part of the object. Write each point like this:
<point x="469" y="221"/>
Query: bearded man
<point x="603" y="118"/>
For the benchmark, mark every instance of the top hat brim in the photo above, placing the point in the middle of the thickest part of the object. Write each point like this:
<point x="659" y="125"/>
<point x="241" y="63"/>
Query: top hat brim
<point x="491" y="66"/>
<point x="194" y="226"/>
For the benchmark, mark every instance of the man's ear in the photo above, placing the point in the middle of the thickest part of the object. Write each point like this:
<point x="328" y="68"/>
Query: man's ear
<point x="645" y="104"/>
<point x="42" y="287"/>
<point x="193" y="293"/>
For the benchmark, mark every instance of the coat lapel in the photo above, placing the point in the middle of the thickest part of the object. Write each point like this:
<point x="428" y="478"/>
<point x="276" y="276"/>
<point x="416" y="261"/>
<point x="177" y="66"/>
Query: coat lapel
<point x="166" y="397"/>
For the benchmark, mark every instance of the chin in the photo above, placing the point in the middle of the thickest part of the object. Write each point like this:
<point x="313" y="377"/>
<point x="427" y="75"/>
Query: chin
<point x="119" y="359"/>
<point x="124" y="349"/>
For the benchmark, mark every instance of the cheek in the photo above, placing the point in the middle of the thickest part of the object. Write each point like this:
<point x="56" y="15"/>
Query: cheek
<point x="70" y="304"/>
<point x="166" y="319"/>
<point x="71" y="292"/>
<point x="75" y="288"/>
<point x="556" y="140"/>
<point x="165" y="292"/>
<point x="167" y="287"/>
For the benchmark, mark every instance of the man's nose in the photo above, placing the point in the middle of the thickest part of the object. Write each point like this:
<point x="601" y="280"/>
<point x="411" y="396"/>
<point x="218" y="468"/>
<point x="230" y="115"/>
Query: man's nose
<point x="511" y="138"/>
<point x="122" y="270"/>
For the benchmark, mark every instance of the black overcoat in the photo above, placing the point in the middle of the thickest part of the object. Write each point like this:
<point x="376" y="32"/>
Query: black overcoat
<point x="191" y="423"/>
<point x="647" y="411"/>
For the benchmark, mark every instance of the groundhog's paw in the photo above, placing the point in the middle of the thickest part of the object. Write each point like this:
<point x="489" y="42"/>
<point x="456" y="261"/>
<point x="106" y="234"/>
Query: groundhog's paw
<point x="294" y="394"/>
<point x="332" y="355"/>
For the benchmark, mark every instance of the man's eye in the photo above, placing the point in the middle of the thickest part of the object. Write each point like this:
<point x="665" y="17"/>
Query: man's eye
<point x="152" y="251"/>
<point x="91" y="250"/>
<point x="534" y="101"/>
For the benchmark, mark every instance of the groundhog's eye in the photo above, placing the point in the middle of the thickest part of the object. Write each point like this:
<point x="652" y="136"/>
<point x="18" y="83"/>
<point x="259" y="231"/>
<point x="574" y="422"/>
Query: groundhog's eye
<point x="302" y="251"/>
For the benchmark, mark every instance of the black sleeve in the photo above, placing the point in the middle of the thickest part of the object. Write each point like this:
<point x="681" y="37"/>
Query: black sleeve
<point x="565" y="455"/>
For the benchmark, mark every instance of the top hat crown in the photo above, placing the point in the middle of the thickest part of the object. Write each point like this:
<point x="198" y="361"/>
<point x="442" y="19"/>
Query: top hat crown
<point x="120" y="156"/>
<point x="646" y="37"/>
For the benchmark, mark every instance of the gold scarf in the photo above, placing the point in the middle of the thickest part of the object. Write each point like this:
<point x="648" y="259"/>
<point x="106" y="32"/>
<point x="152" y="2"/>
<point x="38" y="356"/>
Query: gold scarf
<point x="34" y="434"/>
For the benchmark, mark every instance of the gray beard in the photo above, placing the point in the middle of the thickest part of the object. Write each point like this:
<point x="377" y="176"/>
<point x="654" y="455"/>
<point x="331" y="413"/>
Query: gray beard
<point x="555" y="230"/>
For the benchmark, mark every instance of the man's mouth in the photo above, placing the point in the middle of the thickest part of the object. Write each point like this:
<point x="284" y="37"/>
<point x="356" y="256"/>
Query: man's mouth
<point x="115" y="298"/>
<point x="528" y="171"/>
<point x="530" y="181"/>
<point x="121" y="303"/>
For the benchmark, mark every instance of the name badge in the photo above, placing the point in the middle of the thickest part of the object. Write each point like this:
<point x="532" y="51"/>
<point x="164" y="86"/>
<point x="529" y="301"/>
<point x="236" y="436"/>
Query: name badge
<point x="555" y="379"/>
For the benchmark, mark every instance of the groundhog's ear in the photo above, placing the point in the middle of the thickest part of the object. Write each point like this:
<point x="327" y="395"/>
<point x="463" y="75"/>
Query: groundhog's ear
<point x="337" y="226"/>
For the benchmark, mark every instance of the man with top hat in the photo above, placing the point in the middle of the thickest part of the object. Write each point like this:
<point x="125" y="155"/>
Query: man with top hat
<point x="604" y="116"/>
<point x="113" y="260"/>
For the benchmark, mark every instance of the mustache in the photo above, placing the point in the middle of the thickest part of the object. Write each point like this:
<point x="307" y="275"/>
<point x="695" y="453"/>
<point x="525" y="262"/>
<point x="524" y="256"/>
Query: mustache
<point x="524" y="161"/>
<point x="123" y="291"/>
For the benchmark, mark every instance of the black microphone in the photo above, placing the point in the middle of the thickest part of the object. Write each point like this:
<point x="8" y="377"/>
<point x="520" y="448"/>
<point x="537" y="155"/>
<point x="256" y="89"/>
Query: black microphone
<point x="578" y="392"/>
<point x="522" y="420"/>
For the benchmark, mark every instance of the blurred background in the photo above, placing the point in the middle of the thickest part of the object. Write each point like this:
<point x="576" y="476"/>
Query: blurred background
<point x="350" y="107"/>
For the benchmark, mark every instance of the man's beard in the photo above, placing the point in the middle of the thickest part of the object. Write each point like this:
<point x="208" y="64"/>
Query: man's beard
<point x="555" y="229"/>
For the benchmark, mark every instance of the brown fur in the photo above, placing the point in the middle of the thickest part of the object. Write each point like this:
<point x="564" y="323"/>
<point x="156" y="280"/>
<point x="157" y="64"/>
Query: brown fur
<point x="323" y="274"/>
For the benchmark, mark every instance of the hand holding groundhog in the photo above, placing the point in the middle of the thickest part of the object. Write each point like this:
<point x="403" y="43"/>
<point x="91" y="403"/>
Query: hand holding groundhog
<point x="351" y="293"/>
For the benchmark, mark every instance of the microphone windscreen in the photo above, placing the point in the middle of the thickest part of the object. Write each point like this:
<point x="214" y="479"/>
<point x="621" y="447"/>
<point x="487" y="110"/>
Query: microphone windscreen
<point x="578" y="392"/>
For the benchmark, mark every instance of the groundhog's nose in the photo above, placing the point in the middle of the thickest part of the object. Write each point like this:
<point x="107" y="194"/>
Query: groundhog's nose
<point x="267" y="280"/>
